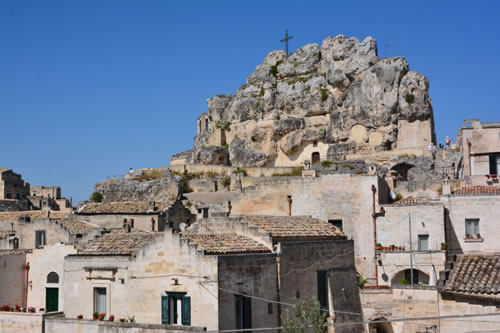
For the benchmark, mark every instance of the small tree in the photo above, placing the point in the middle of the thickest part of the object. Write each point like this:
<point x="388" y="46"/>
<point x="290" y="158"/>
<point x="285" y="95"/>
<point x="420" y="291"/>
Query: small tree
<point x="307" y="314"/>
<point x="96" y="197"/>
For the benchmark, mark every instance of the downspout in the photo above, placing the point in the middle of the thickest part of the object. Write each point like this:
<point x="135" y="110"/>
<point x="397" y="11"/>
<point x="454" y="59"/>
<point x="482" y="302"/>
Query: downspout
<point x="374" y="216"/>
<point x="27" y="269"/>
<point x="278" y="270"/>
<point x="289" y="205"/>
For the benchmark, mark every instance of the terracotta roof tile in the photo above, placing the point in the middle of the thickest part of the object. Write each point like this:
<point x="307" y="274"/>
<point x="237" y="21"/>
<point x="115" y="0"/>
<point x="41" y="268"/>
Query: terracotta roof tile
<point x="16" y="251"/>
<point x="33" y="214"/>
<point x="411" y="201"/>
<point x="122" y="207"/>
<point x="226" y="243"/>
<point x="478" y="190"/>
<point x="77" y="227"/>
<point x="294" y="226"/>
<point x="117" y="243"/>
<point x="476" y="275"/>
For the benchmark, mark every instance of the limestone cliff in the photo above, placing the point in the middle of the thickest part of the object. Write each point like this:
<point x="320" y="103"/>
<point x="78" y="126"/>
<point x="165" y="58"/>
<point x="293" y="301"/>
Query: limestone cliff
<point x="339" y="98"/>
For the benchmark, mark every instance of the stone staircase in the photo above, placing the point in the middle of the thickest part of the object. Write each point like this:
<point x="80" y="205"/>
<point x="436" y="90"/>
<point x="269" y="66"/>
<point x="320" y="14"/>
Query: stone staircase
<point x="444" y="275"/>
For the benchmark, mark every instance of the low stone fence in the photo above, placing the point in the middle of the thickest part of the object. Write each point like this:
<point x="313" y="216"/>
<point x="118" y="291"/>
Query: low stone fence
<point x="65" y="325"/>
<point x="227" y="170"/>
<point x="20" y="322"/>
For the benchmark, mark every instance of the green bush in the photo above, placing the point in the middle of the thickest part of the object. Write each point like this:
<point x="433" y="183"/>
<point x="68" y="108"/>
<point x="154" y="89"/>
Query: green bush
<point x="410" y="98"/>
<point x="294" y="173"/>
<point x="399" y="196"/>
<point x="226" y="181"/>
<point x="326" y="164"/>
<point x="274" y="68"/>
<point x="225" y="125"/>
<point x="241" y="170"/>
<point x="404" y="281"/>
<point x="308" y="316"/>
<point x="324" y="94"/>
<point x="212" y="174"/>
<point x="96" y="197"/>
<point x="150" y="175"/>
<point x="361" y="281"/>
<point x="261" y="91"/>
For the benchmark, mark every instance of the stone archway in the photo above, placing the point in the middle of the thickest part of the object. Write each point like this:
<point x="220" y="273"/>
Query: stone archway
<point x="402" y="170"/>
<point x="380" y="327"/>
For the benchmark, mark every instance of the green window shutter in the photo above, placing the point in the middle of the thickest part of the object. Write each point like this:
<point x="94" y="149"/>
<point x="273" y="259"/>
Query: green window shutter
<point x="186" y="310"/>
<point x="164" y="310"/>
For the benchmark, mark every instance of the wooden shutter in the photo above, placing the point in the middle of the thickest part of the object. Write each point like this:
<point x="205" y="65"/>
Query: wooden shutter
<point x="186" y="311"/>
<point x="164" y="310"/>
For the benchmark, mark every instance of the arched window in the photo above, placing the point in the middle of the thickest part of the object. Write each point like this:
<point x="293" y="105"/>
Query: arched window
<point x="52" y="277"/>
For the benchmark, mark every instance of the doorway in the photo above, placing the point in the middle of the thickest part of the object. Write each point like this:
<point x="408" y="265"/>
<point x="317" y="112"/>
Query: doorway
<point x="315" y="157"/>
<point x="52" y="299"/>
<point x="243" y="312"/>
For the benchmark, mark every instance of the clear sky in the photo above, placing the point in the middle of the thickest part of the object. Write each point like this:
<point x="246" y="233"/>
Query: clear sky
<point x="89" y="89"/>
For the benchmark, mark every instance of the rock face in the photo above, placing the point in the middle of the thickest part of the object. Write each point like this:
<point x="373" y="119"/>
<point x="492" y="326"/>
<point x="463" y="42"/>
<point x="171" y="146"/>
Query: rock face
<point x="118" y="189"/>
<point x="340" y="94"/>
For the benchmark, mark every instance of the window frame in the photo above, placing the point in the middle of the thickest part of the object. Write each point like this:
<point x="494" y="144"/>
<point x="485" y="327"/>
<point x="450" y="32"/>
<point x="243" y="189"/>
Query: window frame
<point x="40" y="241"/>
<point x="419" y="239"/>
<point x="474" y="223"/>
<point x="95" y="292"/>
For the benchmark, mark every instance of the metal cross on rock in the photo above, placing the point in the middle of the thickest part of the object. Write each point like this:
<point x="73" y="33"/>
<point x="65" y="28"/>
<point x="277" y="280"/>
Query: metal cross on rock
<point x="285" y="40"/>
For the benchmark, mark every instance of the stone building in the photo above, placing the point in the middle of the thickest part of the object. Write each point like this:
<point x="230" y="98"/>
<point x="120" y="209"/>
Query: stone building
<point x="221" y="273"/>
<point x="423" y="221"/>
<point x="480" y="144"/>
<point x="12" y="275"/>
<point x="139" y="215"/>
<point x="12" y="185"/>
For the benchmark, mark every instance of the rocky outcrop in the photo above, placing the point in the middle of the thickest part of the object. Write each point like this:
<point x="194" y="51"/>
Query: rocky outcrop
<point x="339" y="94"/>
<point x="118" y="189"/>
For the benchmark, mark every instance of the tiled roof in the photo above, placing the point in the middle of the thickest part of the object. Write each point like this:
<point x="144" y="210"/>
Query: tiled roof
<point x="122" y="207"/>
<point x="477" y="190"/>
<point x="226" y="243"/>
<point x="117" y="243"/>
<point x="77" y="227"/>
<point x="294" y="227"/>
<point x="33" y="214"/>
<point x="476" y="275"/>
<point x="411" y="201"/>
<point x="11" y="252"/>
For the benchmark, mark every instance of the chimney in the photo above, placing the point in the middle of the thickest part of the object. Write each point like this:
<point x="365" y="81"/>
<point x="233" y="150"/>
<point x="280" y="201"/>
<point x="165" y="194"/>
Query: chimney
<point x="151" y="207"/>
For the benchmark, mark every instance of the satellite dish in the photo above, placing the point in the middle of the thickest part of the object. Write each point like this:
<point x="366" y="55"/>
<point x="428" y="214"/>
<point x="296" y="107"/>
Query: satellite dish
<point x="393" y="195"/>
<point x="182" y="226"/>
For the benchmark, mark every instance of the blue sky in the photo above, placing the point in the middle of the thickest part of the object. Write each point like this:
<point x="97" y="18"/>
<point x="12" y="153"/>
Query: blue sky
<point x="89" y="89"/>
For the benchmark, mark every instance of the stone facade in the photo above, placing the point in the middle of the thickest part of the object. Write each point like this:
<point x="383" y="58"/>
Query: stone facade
<point x="12" y="275"/>
<point x="12" y="186"/>
<point x="480" y="144"/>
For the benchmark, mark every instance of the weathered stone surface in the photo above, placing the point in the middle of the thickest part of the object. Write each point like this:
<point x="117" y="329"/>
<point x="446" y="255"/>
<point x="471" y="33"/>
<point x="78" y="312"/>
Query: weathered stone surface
<point x="209" y="155"/>
<point x="118" y="189"/>
<point x="241" y="155"/>
<point x="342" y="81"/>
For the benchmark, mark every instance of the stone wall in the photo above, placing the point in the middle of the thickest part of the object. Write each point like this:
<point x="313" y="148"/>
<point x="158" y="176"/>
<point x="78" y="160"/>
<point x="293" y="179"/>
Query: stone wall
<point x="227" y="170"/>
<point x="64" y="325"/>
<point x="138" y="282"/>
<point x="252" y="275"/>
<point x="12" y="186"/>
<point x="12" y="275"/>
<point x="482" y="207"/>
<point x="300" y="263"/>
<point x="54" y="233"/>
<point x="42" y="262"/>
<point x="20" y="322"/>
<point x="343" y="197"/>
<point x="483" y="139"/>
<point x="141" y="221"/>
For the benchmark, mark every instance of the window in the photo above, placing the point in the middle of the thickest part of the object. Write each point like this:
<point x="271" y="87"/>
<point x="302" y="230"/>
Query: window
<point x="423" y="242"/>
<point x="205" y="213"/>
<point x="243" y="312"/>
<point x="7" y="195"/>
<point x="53" y="277"/>
<point x="315" y="143"/>
<point x="100" y="300"/>
<point x="471" y="227"/>
<point x="176" y="309"/>
<point x="494" y="163"/>
<point x="322" y="280"/>
<point x="18" y="196"/>
<point x="40" y="239"/>
<point x="336" y="223"/>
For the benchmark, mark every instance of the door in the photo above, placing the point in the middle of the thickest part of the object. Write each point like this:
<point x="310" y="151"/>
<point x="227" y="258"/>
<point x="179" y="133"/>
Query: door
<point x="52" y="299"/>
<point x="243" y="312"/>
<point x="315" y="157"/>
